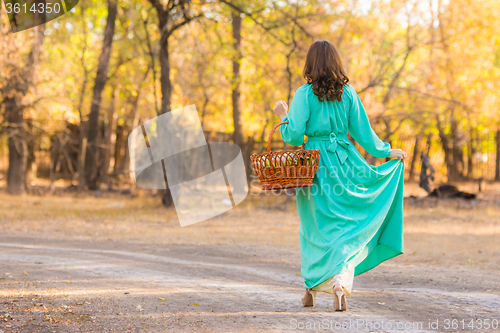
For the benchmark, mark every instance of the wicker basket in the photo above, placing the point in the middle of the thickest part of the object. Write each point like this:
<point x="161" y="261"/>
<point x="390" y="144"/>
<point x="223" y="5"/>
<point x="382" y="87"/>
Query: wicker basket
<point x="285" y="169"/>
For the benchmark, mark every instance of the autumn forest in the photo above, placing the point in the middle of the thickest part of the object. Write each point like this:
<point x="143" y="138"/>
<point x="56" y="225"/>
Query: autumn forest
<point x="71" y="91"/>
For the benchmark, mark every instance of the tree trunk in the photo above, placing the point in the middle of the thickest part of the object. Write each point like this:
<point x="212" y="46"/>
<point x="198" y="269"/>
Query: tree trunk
<point x="16" y="174"/>
<point x="166" y="89"/>
<point x="31" y="166"/>
<point x="457" y="148"/>
<point x="457" y="167"/>
<point x="135" y="123"/>
<point x="448" y="158"/>
<point x="470" y="159"/>
<point x="166" y="85"/>
<point x="109" y="138"/>
<point x="415" y="156"/>
<point x="53" y="155"/>
<point x="119" y="151"/>
<point x="428" y="145"/>
<point x="82" y="139"/>
<point x="91" y="156"/>
<point x="169" y="20"/>
<point x="458" y="158"/>
<point x="82" y="146"/>
<point x="236" y="93"/>
<point x="449" y="148"/>
<point x="20" y="82"/>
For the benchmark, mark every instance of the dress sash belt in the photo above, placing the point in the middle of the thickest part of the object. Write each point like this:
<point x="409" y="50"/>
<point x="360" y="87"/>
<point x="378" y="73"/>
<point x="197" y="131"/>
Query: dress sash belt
<point x="339" y="144"/>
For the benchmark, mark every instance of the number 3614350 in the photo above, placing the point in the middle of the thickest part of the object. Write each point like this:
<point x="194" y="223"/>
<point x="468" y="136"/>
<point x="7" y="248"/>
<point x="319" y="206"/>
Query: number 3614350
<point x="35" y="8"/>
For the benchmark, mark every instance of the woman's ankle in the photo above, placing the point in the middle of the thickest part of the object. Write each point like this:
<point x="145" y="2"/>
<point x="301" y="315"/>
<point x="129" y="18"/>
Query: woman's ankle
<point x="338" y="287"/>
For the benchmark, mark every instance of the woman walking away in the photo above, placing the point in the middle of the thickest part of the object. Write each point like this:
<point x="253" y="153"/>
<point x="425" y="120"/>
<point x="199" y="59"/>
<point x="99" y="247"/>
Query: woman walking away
<point x="351" y="219"/>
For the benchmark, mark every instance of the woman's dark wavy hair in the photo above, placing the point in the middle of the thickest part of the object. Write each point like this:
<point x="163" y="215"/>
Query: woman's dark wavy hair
<point x="325" y="71"/>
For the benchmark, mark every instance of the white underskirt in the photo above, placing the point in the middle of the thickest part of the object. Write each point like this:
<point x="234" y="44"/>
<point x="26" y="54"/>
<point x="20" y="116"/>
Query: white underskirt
<point x="344" y="279"/>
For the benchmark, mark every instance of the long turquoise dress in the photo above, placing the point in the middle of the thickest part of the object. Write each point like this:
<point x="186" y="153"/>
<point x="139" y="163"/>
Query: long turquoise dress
<point x="352" y="216"/>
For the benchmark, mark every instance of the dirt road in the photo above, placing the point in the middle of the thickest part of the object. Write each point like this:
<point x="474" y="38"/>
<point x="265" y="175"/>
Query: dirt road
<point x="85" y="286"/>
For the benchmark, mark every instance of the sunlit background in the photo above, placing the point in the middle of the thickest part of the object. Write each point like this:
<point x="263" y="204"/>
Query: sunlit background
<point x="427" y="72"/>
<point x="82" y="248"/>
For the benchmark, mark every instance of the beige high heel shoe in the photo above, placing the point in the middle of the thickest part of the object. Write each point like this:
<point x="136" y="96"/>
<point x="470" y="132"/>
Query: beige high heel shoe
<point x="309" y="298"/>
<point x="339" y="298"/>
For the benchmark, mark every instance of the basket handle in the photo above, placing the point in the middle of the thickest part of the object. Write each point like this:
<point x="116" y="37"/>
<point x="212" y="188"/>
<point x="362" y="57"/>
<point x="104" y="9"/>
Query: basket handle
<point x="271" y="134"/>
